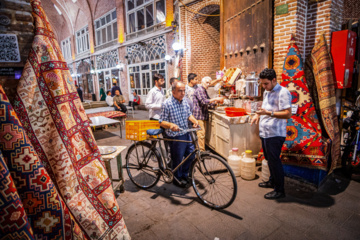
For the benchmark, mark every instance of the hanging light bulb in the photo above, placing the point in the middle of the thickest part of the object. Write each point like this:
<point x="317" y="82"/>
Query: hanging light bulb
<point x="176" y="46"/>
<point x="167" y="57"/>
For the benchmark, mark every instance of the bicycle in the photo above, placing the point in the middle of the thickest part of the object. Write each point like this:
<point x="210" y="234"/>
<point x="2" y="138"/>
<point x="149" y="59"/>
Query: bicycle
<point x="351" y="150"/>
<point x="211" y="177"/>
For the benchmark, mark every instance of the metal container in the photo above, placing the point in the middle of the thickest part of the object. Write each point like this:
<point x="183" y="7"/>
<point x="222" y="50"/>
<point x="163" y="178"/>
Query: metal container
<point x="252" y="86"/>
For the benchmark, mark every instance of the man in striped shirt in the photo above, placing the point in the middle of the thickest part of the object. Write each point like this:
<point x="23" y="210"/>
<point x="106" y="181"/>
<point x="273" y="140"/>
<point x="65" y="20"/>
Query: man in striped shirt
<point x="273" y="115"/>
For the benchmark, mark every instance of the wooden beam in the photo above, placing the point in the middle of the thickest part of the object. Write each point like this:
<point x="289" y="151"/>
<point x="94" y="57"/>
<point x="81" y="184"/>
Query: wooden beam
<point x="222" y="25"/>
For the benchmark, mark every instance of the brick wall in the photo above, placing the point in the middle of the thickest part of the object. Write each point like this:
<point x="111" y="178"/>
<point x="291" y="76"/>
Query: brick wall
<point x="307" y="21"/>
<point x="284" y="26"/>
<point x="200" y="36"/>
<point x="351" y="10"/>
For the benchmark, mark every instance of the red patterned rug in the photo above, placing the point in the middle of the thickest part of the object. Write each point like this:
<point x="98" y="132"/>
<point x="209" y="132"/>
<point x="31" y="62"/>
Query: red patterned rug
<point x="304" y="145"/>
<point x="52" y="115"/>
<point x="319" y="75"/>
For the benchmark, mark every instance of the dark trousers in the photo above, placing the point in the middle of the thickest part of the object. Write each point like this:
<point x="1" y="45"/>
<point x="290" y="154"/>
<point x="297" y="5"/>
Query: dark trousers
<point x="122" y="108"/>
<point x="178" y="151"/>
<point x="133" y="104"/>
<point x="272" y="150"/>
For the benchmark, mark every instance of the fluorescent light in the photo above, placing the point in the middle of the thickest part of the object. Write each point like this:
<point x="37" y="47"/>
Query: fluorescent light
<point x="74" y="1"/>
<point x="58" y="10"/>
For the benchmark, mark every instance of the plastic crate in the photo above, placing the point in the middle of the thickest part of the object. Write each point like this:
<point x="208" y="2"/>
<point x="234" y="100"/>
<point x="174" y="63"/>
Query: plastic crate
<point x="136" y="130"/>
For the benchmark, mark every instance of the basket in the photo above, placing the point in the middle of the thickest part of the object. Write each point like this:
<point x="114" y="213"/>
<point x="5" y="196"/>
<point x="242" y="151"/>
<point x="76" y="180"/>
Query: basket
<point x="136" y="130"/>
<point x="235" y="112"/>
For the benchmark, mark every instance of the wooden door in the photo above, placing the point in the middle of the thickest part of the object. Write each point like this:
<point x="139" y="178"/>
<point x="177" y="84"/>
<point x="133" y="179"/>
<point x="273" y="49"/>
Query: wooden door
<point x="247" y="27"/>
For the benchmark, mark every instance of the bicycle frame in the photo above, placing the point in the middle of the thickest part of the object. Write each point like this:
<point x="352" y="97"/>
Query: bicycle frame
<point x="162" y="154"/>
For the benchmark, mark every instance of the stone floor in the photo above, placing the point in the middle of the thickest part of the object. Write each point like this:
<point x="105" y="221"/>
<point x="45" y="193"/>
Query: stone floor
<point x="168" y="212"/>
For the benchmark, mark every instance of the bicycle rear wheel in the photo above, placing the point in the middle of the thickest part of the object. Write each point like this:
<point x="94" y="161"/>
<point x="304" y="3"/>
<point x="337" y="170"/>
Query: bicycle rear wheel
<point x="142" y="165"/>
<point x="213" y="181"/>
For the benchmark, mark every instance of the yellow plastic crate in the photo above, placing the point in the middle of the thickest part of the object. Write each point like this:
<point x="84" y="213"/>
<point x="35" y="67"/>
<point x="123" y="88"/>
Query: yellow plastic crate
<point x="136" y="130"/>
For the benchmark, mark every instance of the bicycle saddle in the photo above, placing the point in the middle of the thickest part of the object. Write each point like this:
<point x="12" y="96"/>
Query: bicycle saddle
<point x="153" y="132"/>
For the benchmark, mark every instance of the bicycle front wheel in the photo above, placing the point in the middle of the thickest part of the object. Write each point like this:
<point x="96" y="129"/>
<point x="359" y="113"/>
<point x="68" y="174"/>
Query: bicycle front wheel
<point x="213" y="181"/>
<point x="142" y="165"/>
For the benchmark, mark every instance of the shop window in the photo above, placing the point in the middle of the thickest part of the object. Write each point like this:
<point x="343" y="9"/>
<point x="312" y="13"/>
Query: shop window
<point x="141" y="77"/>
<point x="82" y="40"/>
<point x="143" y="14"/>
<point x="106" y="28"/>
<point x="140" y="19"/>
<point x="160" y="11"/>
<point x="66" y="48"/>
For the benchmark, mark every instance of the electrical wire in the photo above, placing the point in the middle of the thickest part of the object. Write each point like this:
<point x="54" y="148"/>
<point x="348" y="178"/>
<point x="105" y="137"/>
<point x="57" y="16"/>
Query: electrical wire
<point x="202" y="14"/>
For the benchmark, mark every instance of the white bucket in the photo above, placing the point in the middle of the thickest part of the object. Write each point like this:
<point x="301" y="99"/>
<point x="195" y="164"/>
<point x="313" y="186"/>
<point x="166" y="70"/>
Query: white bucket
<point x="234" y="161"/>
<point x="248" y="165"/>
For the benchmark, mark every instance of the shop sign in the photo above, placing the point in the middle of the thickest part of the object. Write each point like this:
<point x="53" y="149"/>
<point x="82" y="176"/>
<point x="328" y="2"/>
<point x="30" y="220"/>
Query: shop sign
<point x="11" y="71"/>
<point x="282" y="9"/>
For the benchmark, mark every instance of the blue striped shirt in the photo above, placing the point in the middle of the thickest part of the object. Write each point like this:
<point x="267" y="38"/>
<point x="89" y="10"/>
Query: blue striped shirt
<point x="279" y="98"/>
<point x="174" y="111"/>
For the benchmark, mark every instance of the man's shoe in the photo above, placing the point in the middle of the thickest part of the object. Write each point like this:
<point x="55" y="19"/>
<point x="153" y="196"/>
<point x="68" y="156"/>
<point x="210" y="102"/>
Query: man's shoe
<point x="274" y="195"/>
<point x="267" y="184"/>
<point x="182" y="183"/>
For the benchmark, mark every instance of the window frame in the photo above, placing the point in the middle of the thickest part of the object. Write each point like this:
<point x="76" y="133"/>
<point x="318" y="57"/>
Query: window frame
<point x="150" y="71"/>
<point x="66" y="48"/>
<point x="105" y="26"/>
<point x="143" y="7"/>
<point x="82" y="40"/>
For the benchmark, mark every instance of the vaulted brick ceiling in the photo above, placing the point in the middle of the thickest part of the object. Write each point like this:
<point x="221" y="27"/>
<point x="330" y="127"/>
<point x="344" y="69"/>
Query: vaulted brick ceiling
<point x="74" y="15"/>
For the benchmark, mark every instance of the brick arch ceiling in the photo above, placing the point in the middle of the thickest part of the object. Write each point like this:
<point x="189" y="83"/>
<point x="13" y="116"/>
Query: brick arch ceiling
<point x="200" y="7"/>
<point x="208" y="9"/>
<point x="66" y="24"/>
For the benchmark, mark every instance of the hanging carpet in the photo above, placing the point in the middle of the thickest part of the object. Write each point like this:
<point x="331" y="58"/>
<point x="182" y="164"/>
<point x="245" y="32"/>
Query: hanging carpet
<point x="304" y="144"/>
<point x="320" y="78"/>
<point x="54" y="119"/>
<point x="48" y="215"/>
<point x="14" y="223"/>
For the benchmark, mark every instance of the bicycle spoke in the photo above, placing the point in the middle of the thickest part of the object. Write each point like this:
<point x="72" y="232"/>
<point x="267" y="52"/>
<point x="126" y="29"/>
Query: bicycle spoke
<point x="141" y="161"/>
<point x="213" y="182"/>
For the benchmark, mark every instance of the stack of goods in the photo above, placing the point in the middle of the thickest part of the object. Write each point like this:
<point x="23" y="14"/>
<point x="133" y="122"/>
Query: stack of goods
<point x="231" y="75"/>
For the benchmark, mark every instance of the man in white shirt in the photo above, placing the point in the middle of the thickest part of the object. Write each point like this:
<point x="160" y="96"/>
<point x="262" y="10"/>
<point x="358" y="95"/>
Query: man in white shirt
<point x="272" y="119"/>
<point x="155" y="98"/>
<point x="109" y="99"/>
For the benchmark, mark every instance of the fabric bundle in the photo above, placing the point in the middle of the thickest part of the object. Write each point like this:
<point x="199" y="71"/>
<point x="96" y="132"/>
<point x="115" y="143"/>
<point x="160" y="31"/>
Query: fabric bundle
<point x="58" y="177"/>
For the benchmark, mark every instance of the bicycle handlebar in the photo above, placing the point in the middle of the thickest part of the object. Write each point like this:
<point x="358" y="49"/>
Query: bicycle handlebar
<point x="190" y="129"/>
